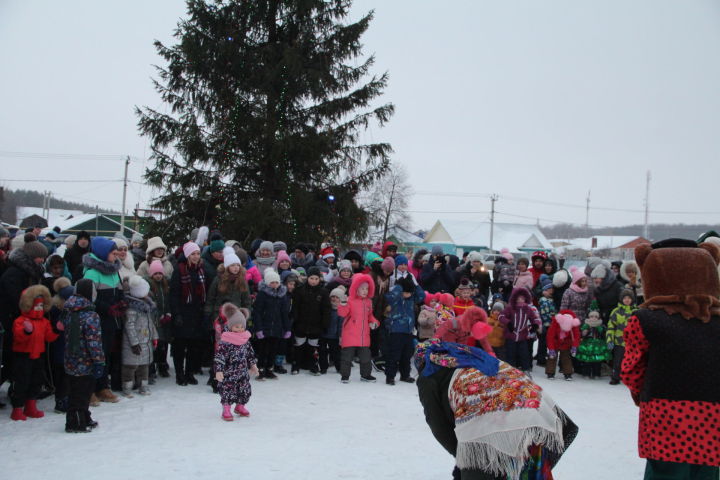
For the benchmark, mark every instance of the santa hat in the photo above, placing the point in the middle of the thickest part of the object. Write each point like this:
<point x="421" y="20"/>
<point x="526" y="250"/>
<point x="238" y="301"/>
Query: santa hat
<point x="326" y="253"/>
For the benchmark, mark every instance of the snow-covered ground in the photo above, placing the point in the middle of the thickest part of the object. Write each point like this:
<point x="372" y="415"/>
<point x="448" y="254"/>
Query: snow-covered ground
<point x="301" y="427"/>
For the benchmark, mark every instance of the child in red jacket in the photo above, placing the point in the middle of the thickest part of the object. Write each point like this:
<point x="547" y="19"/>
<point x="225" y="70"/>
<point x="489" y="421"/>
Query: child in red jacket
<point x="31" y="330"/>
<point x="464" y="300"/>
<point x="563" y="338"/>
<point x="359" y="320"/>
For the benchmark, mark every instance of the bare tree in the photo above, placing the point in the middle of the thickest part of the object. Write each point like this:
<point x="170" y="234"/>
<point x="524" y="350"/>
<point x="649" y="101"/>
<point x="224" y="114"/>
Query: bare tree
<point x="389" y="200"/>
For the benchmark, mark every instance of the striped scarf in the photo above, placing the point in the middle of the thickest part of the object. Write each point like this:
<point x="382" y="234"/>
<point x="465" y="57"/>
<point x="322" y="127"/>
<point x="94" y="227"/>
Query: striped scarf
<point x="186" y="282"/>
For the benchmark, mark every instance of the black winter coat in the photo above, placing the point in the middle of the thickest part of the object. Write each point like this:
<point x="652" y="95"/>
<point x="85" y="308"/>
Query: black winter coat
<point x="434" y="281"/>
<point x="311" y="311"/>
<point x="73" y="259"/>
<point x="21" y="272"/>
<point x="481" y="279"/>
<point x="607" y="299"/>
<point x="188" y="318"/>
<point x="271" y="311"/>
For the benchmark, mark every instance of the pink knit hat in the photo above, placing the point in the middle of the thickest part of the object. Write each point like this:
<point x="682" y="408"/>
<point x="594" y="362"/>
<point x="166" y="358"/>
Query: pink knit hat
<point x="156" y="266"/>
<point x="388" y="265"/>
<point x="505" y="252"/>
<point x="189" y="248"/>
<point x="282" y="255"/>
<point x="576" y="273"/>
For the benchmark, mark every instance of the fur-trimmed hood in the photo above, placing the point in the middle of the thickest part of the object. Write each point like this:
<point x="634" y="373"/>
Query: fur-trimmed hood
<point x="357" y="280"/>
<point x="281" y="291"/>
<point x="624" y="269"/>
<point x="22" y="260"/>
<point x="89" y="260"/>
<point x="519" y="292"/>
<point x="144" y="305"/>
<point x="28" y="296"/>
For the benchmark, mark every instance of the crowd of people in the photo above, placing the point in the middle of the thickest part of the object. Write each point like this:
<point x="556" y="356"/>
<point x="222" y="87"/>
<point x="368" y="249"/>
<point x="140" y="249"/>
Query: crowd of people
<point x="85" y="317"/>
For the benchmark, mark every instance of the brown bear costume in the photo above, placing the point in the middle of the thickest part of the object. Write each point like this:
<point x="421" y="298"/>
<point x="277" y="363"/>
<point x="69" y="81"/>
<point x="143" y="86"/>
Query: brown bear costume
<point x="672" y="360"/>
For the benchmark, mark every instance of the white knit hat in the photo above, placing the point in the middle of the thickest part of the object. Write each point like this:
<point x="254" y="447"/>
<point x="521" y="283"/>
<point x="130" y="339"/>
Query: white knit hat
<point x="230" y="257"/>
<point x="271" y="276"/>
<point x="339" y="292"/>
<point x="139" y="288"/>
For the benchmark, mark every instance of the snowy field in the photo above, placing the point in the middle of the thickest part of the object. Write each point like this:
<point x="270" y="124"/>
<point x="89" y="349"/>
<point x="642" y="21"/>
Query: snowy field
<point x="301" y="427"/>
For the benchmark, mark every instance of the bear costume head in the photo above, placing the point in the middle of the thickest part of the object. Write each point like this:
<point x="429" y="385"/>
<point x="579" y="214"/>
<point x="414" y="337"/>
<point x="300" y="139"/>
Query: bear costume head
<point x="680" y="276"/>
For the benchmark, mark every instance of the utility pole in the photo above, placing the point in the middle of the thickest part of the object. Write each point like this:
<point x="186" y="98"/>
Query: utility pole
<point x="493" y="199"/>
<point x="97" y="219"/>
<point x="646" y="230"/>
<point x="587" y="214"/>
<point x="125" y="185"/>
<point x="49" y="197"/>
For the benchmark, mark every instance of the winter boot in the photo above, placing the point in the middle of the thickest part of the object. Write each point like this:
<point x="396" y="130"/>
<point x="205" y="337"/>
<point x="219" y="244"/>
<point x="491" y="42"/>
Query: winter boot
<point x="407" y="379"/>
<point x="345" y="379"/>
<point x="389" y="381"/>
<point x="279" y="362"/>
<point x="191" y="380"/>
<point x="107" y="396"/>
<point x="76" y="423"/>
<point x="61" y="405"/>
<point x="89" y="421"/>
<point x="17" y="414"/>
<point x="94" y="401"/>
<point x="127" y="389"/>
<point x="295" y="369"/>
<point x="369" y="378"/>
<point x="269" y="374"/>
<point x="32" y="411"/>
<point x="568" y="378"/>
<point x="144" y="390"/>
<point x="163" y="370"/>
<point x="241" y="410"/>
<point x="226" y="415"/>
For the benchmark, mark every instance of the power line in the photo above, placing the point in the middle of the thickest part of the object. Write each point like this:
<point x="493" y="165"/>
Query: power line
<point x="35" y="180"/>
<point x="65" y="156"/>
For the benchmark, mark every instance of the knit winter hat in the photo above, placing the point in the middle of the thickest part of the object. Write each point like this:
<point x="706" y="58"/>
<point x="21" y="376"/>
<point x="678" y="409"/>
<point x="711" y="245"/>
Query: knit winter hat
<point x="202" y="235"/>
<point x="234" y="315"/>
<point x="101" y="247"/>
<point x="189" y="248"/>
<point x="371" y="257"/>
<point x="388" y="265"/>
<point x="242" y="255"/>
<point x="153" y="244"/>
<point x="505" y="252"/>
<point x="339" y="292"/>
<point x="401" y="260"/>
<point x="314" y="271"/>
<point x="271" y="276"/>
<point x="277" y="246"/>
<point x="465" y="284"/>
<point x="282" y="256"/>
<point x="480" y="330"/>
<point x="567" y="320"/>
<point x="216" y="246"/>
<point x="560" y="278"/>
<point x="546" y="282"/>
<point x="230" y="258"/>
<point x="301" y="271"/>
<point x="86" y="289"/>
<point x="430" y="297"/>
<point x="626" y="292"/>
<point x="498" y="306"/>
<point x="437" y="250"/>
<point x="120" y="242"/>
<point x="156" y="266"/>
<point x="136" y="238"/>
<point x="344" y="265"/>
<point x="600" y="271"/>
<point x="265" y="246"/>
<point x="289" y="276"/>
<point x="447" y="299"/>
<point x="33" y="248"/>
<point x="474" y="257"/>
<point x="576" y="274"/>
<point x="138" y="287"/>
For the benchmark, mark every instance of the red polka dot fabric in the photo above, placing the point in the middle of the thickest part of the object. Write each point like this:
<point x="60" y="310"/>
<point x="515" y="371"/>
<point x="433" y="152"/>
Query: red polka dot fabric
<point x="678" y="431"/>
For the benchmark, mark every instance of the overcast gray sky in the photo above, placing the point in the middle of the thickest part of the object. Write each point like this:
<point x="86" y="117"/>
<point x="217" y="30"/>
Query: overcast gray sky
<point x="535" y="101"/>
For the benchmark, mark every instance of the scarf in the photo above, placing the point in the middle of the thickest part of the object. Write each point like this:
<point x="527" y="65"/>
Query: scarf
<point x="235" y="338"/>
<point x="265" y="260"/>
<point x="576" y="288"/>
<point x="689" y="306"/>
<point x="186" y="282"/>
<point x="435" y="354"/>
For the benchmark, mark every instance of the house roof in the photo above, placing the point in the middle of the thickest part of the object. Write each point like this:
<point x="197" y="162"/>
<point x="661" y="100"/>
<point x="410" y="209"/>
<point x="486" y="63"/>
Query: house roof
<point x="400" y="234"/>
<point x="514" y="236"/>
<point x="72" y="223"/>
<point x="603" y="242"/>
<point x="56" y="214"/>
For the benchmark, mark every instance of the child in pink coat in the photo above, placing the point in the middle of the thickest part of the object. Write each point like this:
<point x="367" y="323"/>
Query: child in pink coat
<point x="359" y="320"/>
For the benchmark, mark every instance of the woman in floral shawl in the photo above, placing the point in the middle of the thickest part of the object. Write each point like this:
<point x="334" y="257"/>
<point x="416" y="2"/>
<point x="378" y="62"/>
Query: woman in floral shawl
<point x="495" y="421"/>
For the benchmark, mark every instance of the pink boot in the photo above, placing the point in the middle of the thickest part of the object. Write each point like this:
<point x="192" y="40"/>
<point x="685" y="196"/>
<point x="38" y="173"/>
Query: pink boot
<point x="241" y="410"/>
<point x="226" y="415"/>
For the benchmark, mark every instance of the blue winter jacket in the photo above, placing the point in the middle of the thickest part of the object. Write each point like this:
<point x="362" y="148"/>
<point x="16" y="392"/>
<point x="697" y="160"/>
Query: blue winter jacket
<point x="402" y="310"/>
<point x="335" y="329"/>
<point x="79" y="315"/>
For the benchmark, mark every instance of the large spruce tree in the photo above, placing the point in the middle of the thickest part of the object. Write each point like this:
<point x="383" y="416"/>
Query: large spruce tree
<point x="266" y="104"/>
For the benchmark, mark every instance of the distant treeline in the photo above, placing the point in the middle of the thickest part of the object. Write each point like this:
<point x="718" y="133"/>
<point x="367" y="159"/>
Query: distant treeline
<point x="658" y="231"/>
<point x="11" y="199"/>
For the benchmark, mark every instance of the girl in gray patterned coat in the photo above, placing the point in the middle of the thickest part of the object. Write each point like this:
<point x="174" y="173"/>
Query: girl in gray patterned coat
<point x="140" y="337"/>
<point x="234" y="362"/>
